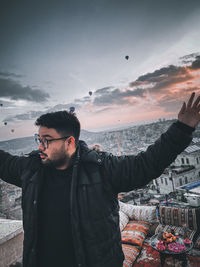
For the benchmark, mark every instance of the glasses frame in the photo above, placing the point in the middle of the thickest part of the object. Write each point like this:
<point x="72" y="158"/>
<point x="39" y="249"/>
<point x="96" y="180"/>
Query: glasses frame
<point x="45" y="142"/>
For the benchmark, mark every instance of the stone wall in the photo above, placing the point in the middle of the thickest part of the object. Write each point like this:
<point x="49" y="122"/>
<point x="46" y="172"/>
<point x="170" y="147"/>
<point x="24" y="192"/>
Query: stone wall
<point x="10" y="201"/>
<point x="11" y="242"/>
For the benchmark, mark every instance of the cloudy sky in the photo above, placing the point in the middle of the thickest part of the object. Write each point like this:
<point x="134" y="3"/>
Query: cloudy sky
<point x="52" y="53"/>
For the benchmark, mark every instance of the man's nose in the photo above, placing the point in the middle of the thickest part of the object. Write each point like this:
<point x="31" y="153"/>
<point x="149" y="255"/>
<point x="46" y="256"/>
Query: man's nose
<point x="41" y="147"/>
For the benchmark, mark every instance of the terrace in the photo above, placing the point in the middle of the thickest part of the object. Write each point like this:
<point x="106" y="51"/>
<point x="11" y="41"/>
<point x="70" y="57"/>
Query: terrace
<point x="137" y="248"/>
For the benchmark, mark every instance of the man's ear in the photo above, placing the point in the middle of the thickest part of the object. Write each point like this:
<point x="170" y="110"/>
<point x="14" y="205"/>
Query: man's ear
<point x="71" y="140"/>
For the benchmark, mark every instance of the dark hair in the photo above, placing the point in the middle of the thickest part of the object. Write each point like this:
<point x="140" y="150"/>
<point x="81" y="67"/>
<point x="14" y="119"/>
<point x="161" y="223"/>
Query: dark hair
<point x="64" y="122"/>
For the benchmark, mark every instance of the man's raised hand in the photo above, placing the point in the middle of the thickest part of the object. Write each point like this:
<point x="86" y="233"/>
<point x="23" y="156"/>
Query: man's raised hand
<point x="190" y="112"/>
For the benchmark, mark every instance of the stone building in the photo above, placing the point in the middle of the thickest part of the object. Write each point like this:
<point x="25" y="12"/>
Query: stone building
<point x="184" y="170"/>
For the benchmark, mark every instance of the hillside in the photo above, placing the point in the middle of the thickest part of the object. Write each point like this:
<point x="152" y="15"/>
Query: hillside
<point x="123" y="141"/>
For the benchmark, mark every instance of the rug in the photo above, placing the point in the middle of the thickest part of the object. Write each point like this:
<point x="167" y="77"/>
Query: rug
<point x="150" y="257"/>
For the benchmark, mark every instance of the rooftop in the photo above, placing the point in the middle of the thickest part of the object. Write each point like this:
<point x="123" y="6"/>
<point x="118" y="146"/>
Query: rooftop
<point x="191" y="149"/>
<point x="192" y="186"/>
<point x="181" y="169"/>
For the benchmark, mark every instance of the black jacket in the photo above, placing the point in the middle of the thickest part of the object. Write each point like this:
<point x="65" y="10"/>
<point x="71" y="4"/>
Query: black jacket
<point x="97" y="179"/>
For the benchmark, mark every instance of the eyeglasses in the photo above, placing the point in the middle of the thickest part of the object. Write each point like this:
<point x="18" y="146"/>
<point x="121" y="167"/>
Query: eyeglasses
<point x="45" y="142"/>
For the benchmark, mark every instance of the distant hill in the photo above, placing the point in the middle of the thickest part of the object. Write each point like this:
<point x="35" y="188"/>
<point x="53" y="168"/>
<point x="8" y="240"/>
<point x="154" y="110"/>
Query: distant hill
<point x="130" y="139"/>
<point x="25" y="145"/>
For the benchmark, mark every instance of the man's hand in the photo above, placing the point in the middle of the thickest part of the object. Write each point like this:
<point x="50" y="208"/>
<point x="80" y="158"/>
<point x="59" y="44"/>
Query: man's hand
<point x="189" y="113"/>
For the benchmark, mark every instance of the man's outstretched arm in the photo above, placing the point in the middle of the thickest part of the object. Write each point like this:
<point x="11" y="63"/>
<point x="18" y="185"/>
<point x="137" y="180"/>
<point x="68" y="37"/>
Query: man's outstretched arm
<point x="129" y="172"/>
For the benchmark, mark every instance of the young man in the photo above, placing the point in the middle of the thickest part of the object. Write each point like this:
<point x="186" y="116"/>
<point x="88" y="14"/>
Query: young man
<point x="69" y="192"/>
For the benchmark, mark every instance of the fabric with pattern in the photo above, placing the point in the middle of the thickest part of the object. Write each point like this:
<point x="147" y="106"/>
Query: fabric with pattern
<point x="182" y="217"/>
<point x="135" y="233"/>
<point x="123" y="219"/>
<point x="139" y="213"/>
<point x="130" y="254"/>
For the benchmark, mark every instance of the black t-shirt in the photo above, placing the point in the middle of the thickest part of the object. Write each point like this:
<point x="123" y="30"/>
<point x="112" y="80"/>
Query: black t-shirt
<point x="55" y="244"/>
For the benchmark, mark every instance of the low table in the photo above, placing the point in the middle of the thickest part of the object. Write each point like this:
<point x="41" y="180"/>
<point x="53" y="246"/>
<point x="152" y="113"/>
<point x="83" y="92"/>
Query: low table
<point x="181" y="256"/>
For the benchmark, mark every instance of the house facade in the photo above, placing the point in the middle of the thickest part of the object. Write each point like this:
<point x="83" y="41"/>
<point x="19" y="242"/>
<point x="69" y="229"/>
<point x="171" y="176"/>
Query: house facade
<point x="184" y="170"/>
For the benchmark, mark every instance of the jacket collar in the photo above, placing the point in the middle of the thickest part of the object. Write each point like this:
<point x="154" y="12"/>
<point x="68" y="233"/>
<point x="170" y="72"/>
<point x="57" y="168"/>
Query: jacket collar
<point x="89" y="155"/>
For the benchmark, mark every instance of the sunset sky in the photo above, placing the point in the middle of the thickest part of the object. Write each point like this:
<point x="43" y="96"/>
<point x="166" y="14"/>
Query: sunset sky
<point x="52" y="53"/>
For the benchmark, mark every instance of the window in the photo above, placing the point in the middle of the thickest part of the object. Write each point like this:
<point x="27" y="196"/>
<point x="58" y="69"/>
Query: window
<point x="180" y="182"/>
<point x="182" y="160"/>
<point x="187" y="161"/>
<point x="197" y="160"/>
<point x="166" y="181"/>
<point x="186" y="180"/>
<point x="161" y="180"/>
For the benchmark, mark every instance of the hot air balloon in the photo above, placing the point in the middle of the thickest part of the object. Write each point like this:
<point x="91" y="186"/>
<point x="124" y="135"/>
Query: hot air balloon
<point x="90" y="93"/>
<point x="72" y="109"/>
<point x="126" y="57"/>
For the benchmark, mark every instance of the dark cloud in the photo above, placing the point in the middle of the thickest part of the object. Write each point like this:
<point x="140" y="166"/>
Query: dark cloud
<point x="32" y="115"/>
<point x="196" y="64"/>
<point x="166" y="82"/>
<point x="160" y="74"/>
<point x="26" y="116"/>
<point x="186" y="61"/>
<point x="7" y="74"/>
<point x="164" y="77"/>
<point x="15" y="91"/>
<point x="159" y="81"/>
<point x="99" y="93"/>
<point x="63" y="107"/>
<point x="103" y="90"/>
<point x="116" y="96"/>
<point x="189" y="57"/>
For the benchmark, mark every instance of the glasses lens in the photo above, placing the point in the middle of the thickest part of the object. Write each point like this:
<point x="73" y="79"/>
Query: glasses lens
<point x="42" y="141"/>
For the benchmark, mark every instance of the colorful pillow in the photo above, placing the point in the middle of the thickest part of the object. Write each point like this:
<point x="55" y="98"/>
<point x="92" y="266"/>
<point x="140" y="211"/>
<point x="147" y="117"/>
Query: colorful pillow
<point x="135" y="232"/>
<point x="126" y="208"/>
<point x="181" y="217"/>
<point x="123" y="220"/>
<point x="144" y="213"/>
<point x="139" y="213"/>
<point x="130" y="254"/>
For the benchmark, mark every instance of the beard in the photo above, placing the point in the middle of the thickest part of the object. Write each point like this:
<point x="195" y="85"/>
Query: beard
<point x="58" y="159"/>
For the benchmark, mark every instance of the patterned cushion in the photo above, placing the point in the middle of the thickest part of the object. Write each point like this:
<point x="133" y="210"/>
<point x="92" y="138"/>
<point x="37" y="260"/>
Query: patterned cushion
<point x="130" y="254"/>
<point x="123" y="220"/>
<point x="182" y="217"/>
<point x="144" y="213"/>
<point x="126" y="208"/>
<point x="139" y="213"/>
<point x="185" y="221"/>
<point x="135" y="232"/>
